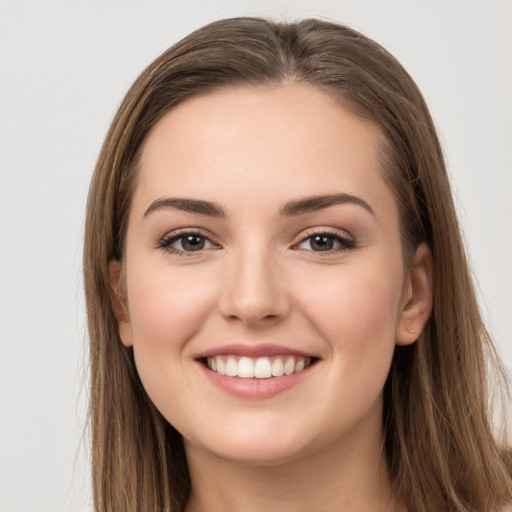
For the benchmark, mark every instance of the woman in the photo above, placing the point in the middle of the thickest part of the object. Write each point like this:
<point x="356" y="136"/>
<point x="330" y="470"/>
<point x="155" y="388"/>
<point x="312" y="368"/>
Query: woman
<point x="280" y="309"/>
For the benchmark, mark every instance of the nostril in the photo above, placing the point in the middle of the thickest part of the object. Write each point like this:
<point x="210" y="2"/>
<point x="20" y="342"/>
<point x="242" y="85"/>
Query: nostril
<point x="252" y="298"/>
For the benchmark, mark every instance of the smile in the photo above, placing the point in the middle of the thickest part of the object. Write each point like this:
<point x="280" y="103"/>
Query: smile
<point x="256" y="371"/>
<point x="257" y="367"/>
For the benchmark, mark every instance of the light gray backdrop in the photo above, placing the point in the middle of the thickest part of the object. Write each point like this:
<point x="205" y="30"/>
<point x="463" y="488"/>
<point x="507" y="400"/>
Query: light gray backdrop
<point x="64" y="69"/>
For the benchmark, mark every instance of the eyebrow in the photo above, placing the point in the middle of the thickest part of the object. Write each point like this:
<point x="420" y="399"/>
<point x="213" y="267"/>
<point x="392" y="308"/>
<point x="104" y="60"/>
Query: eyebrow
<point x="290" y="209"/>
<point x="187" y="205"/>
<point x="315" y="203"/>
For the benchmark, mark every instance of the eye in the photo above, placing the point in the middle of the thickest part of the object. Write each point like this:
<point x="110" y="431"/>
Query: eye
<point x="325" y="242"/>
<point x="185" y="243"/>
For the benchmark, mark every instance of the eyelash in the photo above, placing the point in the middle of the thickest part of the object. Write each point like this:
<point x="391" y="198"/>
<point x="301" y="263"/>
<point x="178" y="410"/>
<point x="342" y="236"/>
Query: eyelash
<point x="346" y="243"/>
<point x="166" y="242"/>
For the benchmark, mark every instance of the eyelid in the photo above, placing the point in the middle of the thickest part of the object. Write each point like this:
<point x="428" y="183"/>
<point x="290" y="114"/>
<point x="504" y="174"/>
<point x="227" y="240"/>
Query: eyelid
<point x="347" y="241"/>
<point x="165" y="242"/>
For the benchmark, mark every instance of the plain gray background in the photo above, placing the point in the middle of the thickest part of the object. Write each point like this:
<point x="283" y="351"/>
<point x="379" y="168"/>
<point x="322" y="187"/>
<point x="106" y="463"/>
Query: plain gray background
<point x="64" y="69"/>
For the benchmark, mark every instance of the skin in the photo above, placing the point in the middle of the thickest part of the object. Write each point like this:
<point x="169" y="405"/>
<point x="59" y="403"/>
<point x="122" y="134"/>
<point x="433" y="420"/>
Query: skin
<point x="258" y="279"/>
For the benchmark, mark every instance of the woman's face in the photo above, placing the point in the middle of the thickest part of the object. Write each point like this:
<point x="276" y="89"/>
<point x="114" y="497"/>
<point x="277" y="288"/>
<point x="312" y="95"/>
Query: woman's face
<point x="262" y="239"/>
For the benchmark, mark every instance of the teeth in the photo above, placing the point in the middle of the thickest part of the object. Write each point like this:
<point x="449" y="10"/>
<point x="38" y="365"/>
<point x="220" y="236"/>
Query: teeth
<point x="263" y="368"/>
<point x="299" y="365"/>
<point x="231" y="367"/>
<point x="289" y="366"/>
<point x="221" y="367"/>
<point x="259" y="368"/>
<point x="246" y="368"/>
<point x="277" y="367"/>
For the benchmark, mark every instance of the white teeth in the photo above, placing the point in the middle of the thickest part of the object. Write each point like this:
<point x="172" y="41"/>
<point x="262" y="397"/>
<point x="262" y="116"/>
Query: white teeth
<point x="245" y="368"/>
<point x="259" y="368"/>
<point x="277" y="367"/>
<point x="262" y="368"/>
<point x="289" y="366"/>
<point x="299" y="365"/>
<point x="231" y="367"/>
<point x="221" y="367"/>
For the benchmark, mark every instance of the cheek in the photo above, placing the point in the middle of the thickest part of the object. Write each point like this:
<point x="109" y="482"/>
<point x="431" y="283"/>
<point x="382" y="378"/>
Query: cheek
<point x="166" y="308"/>
<point x="356" y="311"/>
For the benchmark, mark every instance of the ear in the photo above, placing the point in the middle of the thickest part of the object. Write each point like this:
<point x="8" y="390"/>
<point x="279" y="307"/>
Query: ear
<point x="120" y="305"/>
<point x="417" y="300"/>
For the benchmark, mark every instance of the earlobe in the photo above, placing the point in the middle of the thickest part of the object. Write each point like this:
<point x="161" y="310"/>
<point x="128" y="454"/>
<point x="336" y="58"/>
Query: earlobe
<point x="119" y="303"/>
<point x="418" y="297"/>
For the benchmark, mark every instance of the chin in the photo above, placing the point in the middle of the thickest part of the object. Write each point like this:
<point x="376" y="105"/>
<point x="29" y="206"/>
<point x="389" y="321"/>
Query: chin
<point x="264" y="454"/>
<point x="270" y="446"/>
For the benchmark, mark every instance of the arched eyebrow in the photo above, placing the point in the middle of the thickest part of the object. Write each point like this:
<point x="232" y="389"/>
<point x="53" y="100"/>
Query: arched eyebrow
<point x="291" y="209"/>
<point x="187" y="205"/>
<point x="315" y="203"/>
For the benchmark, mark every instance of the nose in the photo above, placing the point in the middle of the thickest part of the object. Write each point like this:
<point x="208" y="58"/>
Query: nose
<point x="254" y="291"/>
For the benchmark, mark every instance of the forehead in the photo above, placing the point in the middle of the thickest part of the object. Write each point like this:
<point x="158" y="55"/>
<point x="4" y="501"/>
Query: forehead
<point x="260" y="144"/>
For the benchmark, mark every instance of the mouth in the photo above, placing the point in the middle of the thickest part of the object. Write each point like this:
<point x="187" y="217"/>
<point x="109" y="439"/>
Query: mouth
<point x="256" y="371"/>
<point x="263" y="367"/>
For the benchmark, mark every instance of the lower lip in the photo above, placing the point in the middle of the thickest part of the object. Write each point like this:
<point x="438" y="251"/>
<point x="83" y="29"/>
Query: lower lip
<point x="256" y="388"/>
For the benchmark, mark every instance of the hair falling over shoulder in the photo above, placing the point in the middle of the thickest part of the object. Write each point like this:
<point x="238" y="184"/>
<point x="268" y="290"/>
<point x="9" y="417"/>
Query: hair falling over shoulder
<point x="442" y="451"/>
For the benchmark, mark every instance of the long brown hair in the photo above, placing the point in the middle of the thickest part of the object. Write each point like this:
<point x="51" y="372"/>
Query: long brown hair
<point x="438" y="435"/>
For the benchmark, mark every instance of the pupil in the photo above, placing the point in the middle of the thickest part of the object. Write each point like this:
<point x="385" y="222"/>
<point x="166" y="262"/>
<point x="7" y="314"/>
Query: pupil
<point x="322" y="243"/>
<point x="193" y="243"/>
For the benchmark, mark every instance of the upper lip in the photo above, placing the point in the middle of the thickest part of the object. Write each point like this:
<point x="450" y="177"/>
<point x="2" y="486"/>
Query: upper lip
<point x="259" y="350"/>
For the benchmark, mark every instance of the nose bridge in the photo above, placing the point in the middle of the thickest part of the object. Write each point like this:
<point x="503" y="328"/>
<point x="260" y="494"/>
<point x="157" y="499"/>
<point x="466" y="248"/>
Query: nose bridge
<point x="253" y="289"/>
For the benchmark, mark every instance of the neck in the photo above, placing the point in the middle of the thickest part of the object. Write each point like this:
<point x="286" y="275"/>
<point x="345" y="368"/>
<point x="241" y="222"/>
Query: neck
<point x="348" y="475"/>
